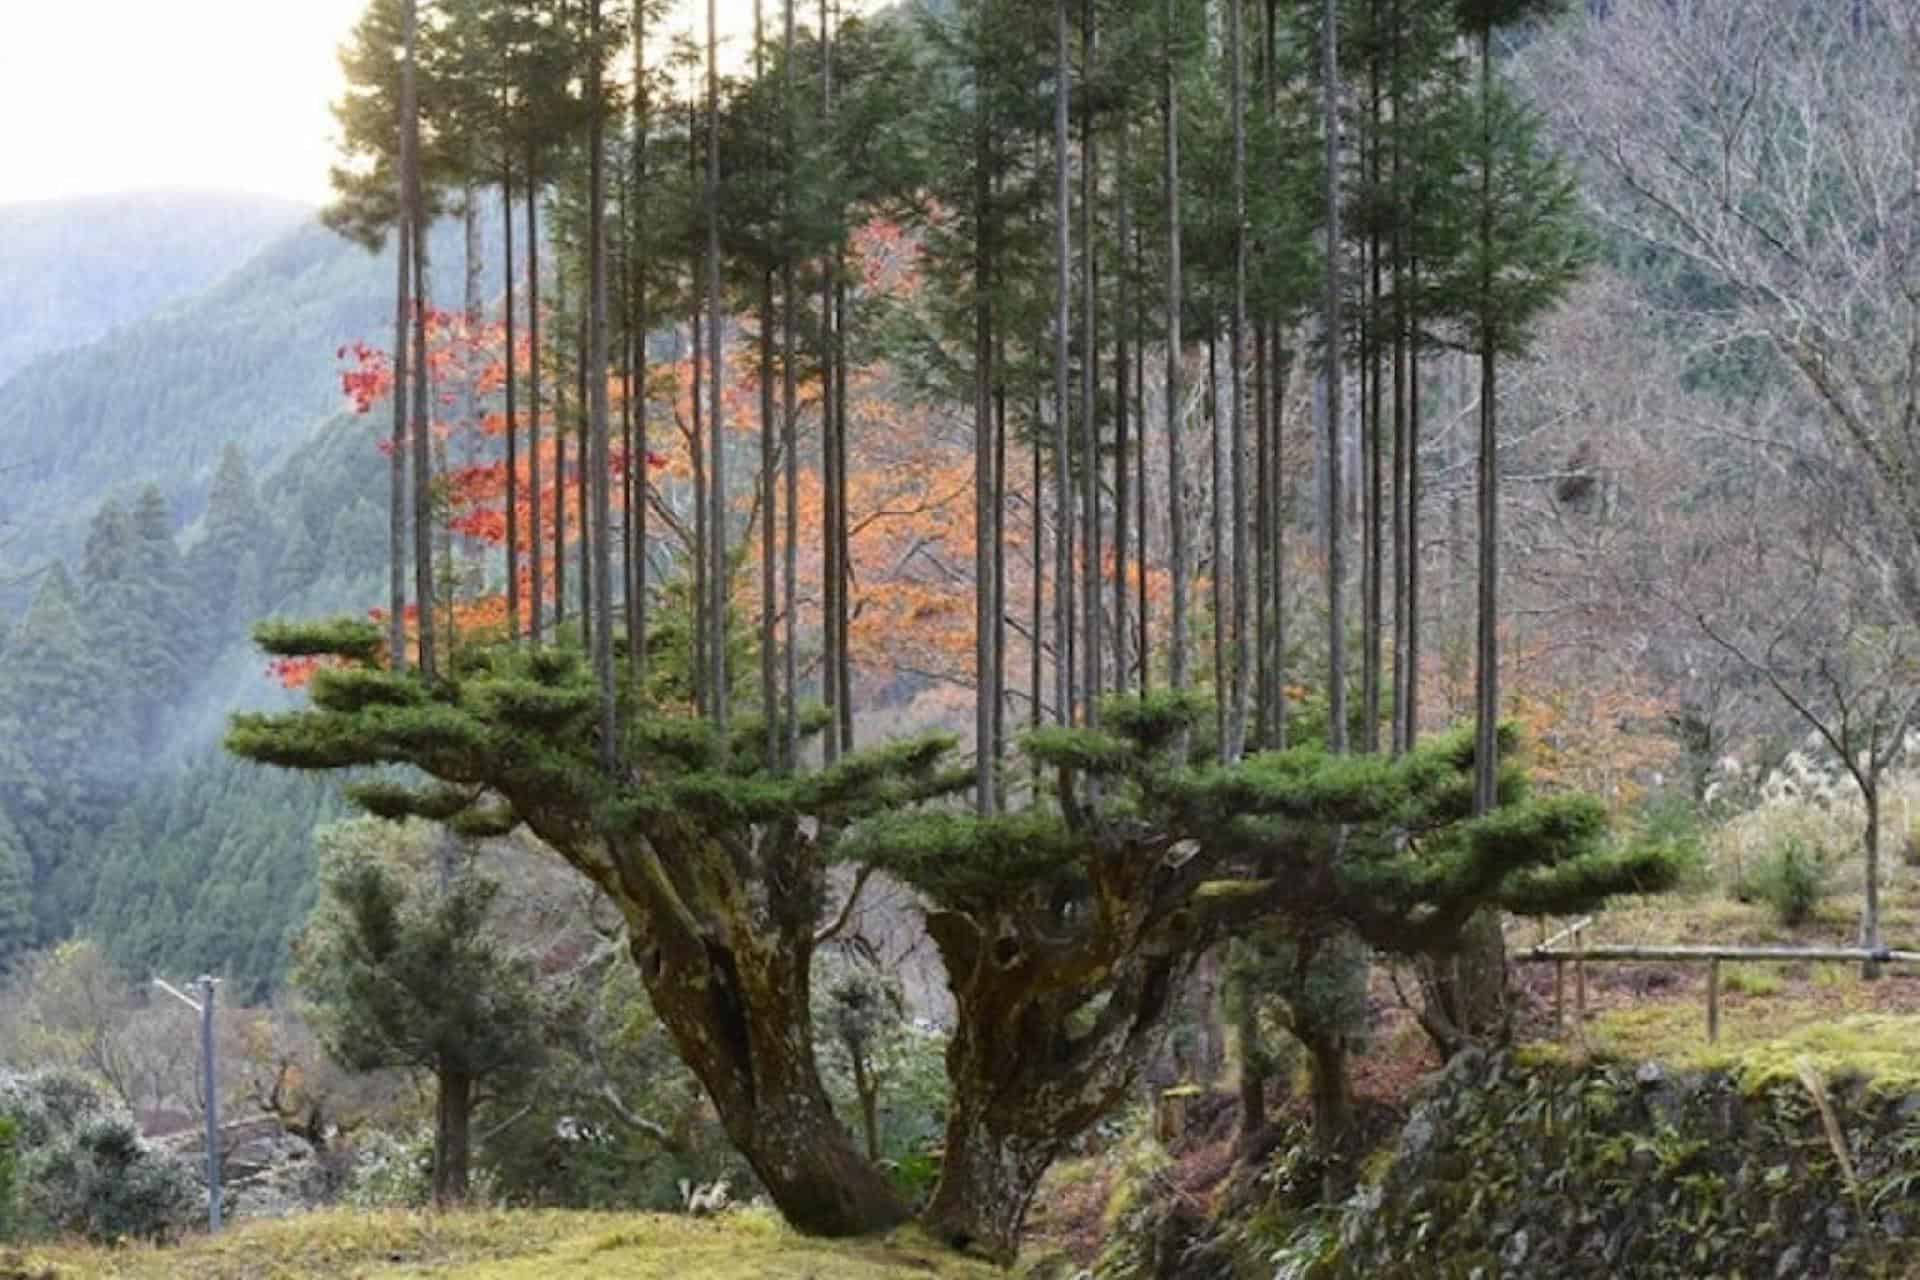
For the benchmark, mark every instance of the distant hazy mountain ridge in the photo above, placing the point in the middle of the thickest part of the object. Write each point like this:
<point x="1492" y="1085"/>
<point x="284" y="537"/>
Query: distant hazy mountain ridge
<point x="73" y="270"/>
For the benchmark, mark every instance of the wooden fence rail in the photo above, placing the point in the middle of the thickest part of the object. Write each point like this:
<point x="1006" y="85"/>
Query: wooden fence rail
<point x="1579" y="953"/>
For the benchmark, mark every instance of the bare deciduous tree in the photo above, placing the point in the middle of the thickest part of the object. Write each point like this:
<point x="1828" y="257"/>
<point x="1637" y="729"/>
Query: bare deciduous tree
<point x="1771" y="153"/>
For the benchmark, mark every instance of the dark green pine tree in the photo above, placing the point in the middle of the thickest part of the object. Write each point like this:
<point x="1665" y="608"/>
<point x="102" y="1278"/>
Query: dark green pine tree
<point x="107" y="559"/>
<point x="403" y="971"/>
<point x="66" y="719"/>
<point x="302" y="562"/>
<point x="162" y="660"/>
<point x="16" y="896"/>
<point x="135" y="610"/>
<point x="226" y="600"/>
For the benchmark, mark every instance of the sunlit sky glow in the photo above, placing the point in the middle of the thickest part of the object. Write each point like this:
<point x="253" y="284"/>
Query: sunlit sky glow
<point x="116" y="95"/>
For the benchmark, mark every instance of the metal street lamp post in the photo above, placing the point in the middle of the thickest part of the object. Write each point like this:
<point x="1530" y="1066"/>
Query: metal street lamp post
<point x="205" y="984"/>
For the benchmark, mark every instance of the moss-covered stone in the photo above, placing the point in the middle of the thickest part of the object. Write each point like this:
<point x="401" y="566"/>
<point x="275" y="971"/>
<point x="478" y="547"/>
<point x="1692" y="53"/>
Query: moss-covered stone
<point x="1800" y="1159"/>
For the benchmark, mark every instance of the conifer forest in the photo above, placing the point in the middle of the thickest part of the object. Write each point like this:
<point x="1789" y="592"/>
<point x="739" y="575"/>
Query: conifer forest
<point x="1129" y="639"/>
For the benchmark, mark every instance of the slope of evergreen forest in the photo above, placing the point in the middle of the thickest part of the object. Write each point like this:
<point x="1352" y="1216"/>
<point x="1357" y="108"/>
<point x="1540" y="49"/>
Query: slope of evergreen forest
<point x="199" y="474"/>
<point x="75" y="269"/>
<point x="121" y="818"/>
<point x="249" y="361"/>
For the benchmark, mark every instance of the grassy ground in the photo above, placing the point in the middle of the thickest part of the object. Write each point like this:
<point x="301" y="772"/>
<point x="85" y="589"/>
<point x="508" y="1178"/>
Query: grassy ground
<point x="1818" y="1009"/>
<point x="525" y="1245"/>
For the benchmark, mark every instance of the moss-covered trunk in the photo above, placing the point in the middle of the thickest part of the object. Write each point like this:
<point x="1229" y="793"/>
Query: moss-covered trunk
<point x="1332" y="1088"/>
<point x="733" y="990"/>
<point x="997" y="1149"/>
<point x="1031" y="1065"/>
<point x="724" y="936"/>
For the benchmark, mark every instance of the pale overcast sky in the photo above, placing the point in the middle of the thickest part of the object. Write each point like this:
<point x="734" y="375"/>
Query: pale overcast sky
<point x="114" y="95"/>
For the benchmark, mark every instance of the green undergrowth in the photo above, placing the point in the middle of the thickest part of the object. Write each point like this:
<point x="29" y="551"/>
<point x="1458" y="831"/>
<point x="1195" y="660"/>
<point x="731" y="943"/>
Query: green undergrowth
<point x="1760" y="1039"/>
<point x="1798" y="1155"/>
<point x="508" y="1245"/>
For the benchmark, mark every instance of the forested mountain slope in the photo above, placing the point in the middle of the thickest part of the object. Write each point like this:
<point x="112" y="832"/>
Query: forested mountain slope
<point x="120" y="818"/>
<point x="249" y="362"/>
<point x="178" y="480"/>
<point x="73" y="270"/>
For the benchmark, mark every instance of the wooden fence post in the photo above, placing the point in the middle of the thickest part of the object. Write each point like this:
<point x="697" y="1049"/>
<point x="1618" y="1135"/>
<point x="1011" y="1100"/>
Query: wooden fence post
<point x="1713" y="1000"/>
<point x="1580" y="979"/>
<point x="1559" y="995"/>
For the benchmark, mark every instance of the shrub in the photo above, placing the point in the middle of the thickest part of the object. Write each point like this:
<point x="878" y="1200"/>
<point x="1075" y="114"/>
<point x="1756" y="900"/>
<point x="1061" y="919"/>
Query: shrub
<point x="82" y="1168"/>
<point x="1792" y="880"/>
<point x="391" y="1171"/>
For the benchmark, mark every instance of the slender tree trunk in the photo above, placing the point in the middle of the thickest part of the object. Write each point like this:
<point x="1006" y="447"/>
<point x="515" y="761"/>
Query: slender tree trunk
<point x="1331" y="1087"/>
<point x="601" y="462"/>
<point x="1487" y="666"/>
<point x="1410" y="683"/>
<point x="452" y="1146"/>
<point x="1123" y="637"/>
<point x="631" y="465"/>
<point x="843" y="648"/>
<point x="473" y="307"/>
<point x="1034" y="636"/>
<point x="986" y="605"/>
<point x="639" y="462"/>
<point x="513" y="421"/>
<point x="1063" y="619"/>
<point x="769" y="602"/>
<point x="1089" y="383"/>
<point x="1283" y="364"/>
<point x="1401" y="316"/>
<point x="1253" y="1079"/>
<point x="412" y="212"/>
<point x="789" y="405"/>
<point x="584" y="484"/>
<point x="716" y="363"/>
<point x="1217" y="504"/>
<point x="1176" y="451"/>
<point x="1870" y="910"/>
<point x="397" y="459"/>
<point x="1335" y="534"/>
<point x="702" y="501"/>
<point x="835" y="578"/>
<point x="422" y="439"/>
<point x="1280" y="363"/>
<point x="536" y="530"/>
<point x="867" y="1090"/>
<point x="1140" y="489"/>
<point x="1265" y="695"/>
<point x="1237" y="365"/>
<point x="1376" y="455"/>
<point x="560" y="432"/>
<point x="998" y="691"/>
<point x="1263" y="684"/>
<point x="769" y="497"/>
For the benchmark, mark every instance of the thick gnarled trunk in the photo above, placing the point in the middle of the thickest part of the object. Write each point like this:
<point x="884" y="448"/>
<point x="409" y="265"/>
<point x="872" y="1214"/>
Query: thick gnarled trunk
<point x="1025" y="1079"/>
<point x="742" y="1024"/>
<point x="997" y="1150"/>
<point x="743" y="1028"/>
<point x="726" y="963"/>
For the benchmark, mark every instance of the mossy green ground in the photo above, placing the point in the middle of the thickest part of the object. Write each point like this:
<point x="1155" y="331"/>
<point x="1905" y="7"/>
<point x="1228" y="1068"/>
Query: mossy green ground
<point x="522" y="1245"/>
<point x="1774" y="1011"/>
